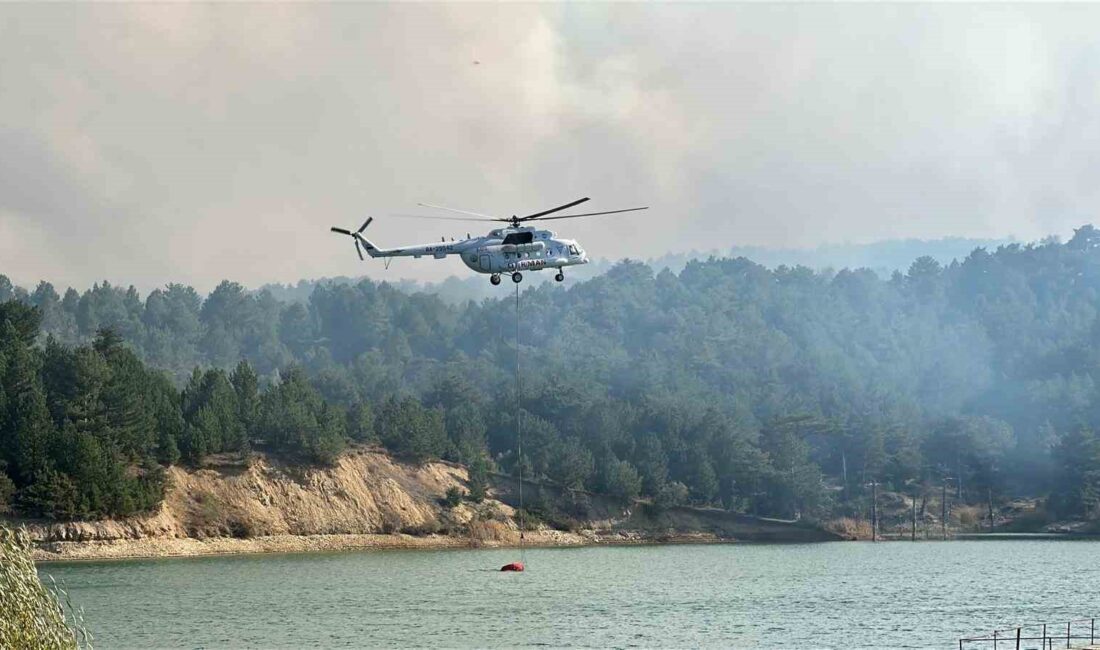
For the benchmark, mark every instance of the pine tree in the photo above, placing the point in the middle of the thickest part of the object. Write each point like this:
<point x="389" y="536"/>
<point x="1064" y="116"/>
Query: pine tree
<point x="479" y="478"/>
<point x="466" y="430"/>
<point x="49" y="494"/>
<point x="652" y="464"/>
<point x="407" y="428"/>
<point x="129" y="416"/>
<point x="246" y="386"/>
<point x="360" y="424"/>
<point x="1077" y="491"/>
<point x="326" y="440"/>
<point x="27" y="419"/>
<point x="85" y="407"/>
<point x="621" y="479"/>
<point x="209" y="407"/>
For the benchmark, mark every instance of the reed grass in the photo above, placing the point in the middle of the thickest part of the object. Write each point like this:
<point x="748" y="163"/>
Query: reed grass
<point x="33" y="615"/>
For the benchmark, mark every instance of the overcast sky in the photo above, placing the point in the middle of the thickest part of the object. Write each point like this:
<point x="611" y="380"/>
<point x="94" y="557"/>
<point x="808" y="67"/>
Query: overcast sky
<point x="146" y="143"/>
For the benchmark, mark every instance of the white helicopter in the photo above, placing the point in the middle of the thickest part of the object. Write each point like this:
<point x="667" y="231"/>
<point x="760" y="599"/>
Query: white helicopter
<point x="511" y="249"/>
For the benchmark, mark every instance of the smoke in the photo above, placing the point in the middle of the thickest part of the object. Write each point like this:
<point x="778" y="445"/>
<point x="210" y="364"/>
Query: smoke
<point x="148" y="143"/>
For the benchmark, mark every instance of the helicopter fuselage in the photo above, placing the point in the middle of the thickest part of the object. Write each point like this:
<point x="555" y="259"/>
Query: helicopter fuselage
<point x="508" y="250"/>
<point x="503" y="250"/>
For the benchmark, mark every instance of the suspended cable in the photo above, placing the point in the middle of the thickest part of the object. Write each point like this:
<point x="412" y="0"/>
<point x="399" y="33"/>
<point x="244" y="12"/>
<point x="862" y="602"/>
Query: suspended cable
<point x="519" y="439"/>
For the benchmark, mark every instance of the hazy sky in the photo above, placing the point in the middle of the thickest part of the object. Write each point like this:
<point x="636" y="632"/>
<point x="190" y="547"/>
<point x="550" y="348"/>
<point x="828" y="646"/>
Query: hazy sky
<point x="145" y="143"/>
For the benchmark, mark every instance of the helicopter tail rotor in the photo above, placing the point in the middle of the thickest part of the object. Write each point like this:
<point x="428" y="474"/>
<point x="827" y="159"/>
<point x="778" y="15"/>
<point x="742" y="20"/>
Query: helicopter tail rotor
<point x="357" y="236"/>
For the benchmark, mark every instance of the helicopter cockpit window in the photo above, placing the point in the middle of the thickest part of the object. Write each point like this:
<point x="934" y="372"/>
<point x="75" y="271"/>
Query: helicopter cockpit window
<point x="573" y="249"/>
<point x="519" y="238"/>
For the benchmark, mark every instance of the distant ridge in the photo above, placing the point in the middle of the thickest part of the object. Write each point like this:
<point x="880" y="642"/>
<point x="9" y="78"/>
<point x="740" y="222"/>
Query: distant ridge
<point x="883" y="257"/>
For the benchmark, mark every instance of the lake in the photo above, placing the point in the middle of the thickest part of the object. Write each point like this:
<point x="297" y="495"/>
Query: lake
<point x="834" y="595"/>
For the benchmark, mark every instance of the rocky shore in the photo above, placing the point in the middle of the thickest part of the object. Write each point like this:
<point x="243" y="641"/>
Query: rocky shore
<point x="122" y="549"/>
<point x="368" y="500"/>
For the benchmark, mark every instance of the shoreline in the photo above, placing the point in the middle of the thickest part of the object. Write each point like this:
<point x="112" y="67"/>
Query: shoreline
<point x="369" y="500"/>
<point x="152" y="548"/>
<point x="174" y="548"/>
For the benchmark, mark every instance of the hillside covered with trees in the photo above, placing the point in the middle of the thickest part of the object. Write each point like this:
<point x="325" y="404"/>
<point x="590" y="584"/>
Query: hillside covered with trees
<point x="781" y="392"/>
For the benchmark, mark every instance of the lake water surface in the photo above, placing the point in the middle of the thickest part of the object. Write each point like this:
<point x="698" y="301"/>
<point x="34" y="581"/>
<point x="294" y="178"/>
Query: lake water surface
<point x="835" y="595"/>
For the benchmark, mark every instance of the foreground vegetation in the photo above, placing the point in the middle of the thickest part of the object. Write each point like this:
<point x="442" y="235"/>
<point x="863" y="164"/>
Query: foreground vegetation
<point x="784" y="392"/>
<point x="31" y="615"/>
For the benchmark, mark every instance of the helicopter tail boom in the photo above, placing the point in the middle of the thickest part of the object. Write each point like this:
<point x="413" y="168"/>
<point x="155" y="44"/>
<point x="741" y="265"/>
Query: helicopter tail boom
<point x="371" y="249"/>
<point x="438" y="251"/>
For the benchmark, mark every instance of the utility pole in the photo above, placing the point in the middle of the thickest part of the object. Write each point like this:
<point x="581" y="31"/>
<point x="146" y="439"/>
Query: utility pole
<point x="943" y="509"/>
<point x="990" y="510"/>
<point x="913" y="521"/>
<point x="874" y="511"/>
<point x="844" y="473"/>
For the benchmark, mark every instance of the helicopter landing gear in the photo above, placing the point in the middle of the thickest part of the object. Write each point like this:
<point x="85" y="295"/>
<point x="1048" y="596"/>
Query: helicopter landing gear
<point x="494" y="279"/>
<point x="517" y="277"/>
<point x="560" y="277"/>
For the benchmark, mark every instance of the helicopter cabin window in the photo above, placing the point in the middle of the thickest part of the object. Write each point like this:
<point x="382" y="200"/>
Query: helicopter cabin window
<point x="519" y="238"/>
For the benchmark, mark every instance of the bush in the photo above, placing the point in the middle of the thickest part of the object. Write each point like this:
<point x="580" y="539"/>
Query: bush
<point x="527" y="520"/>
<point x="391" y="523"/>
<point x="31" y="615"/>
<point x="969" y="517"/>
<point x="423" y="529"/>
<point x="671" y="495"/>
<point x="453" y="497"/>
<point x="481" y="531"/>
<point x="207" y="517"/>
<point x="850" y="528"/>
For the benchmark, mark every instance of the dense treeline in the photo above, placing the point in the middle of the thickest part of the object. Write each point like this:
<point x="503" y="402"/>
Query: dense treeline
<point x="781" y="392"/>
<point x="86" y="430"/>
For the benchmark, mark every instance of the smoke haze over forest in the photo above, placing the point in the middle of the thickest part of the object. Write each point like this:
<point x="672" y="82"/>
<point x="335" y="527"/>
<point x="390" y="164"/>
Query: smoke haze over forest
<point x="156" y="143"/>
<point x="838" y="279"/>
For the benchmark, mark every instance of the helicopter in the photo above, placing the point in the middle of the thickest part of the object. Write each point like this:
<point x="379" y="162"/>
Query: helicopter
<point x="513" y="249"/>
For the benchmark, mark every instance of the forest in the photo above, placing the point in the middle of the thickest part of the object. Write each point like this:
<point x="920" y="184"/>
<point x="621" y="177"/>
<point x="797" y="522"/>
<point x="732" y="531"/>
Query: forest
<point x="775" y="391"/>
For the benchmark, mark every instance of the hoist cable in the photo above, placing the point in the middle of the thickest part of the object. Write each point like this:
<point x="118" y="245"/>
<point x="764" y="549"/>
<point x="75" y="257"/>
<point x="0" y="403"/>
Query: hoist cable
<point x="519" y="439"/>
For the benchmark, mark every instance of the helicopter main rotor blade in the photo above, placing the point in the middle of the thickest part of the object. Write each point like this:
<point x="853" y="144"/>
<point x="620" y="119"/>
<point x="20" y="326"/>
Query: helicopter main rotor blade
<point x="560" y="207"/>
<point x="592" y="214"/>
<point x="467" y="212"/>
<point x="435" y="218"/>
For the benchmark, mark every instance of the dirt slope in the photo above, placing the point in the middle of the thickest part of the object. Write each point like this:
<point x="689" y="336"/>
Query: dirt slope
<point x="366" y="491"/>
<point x="367" y="499"/>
